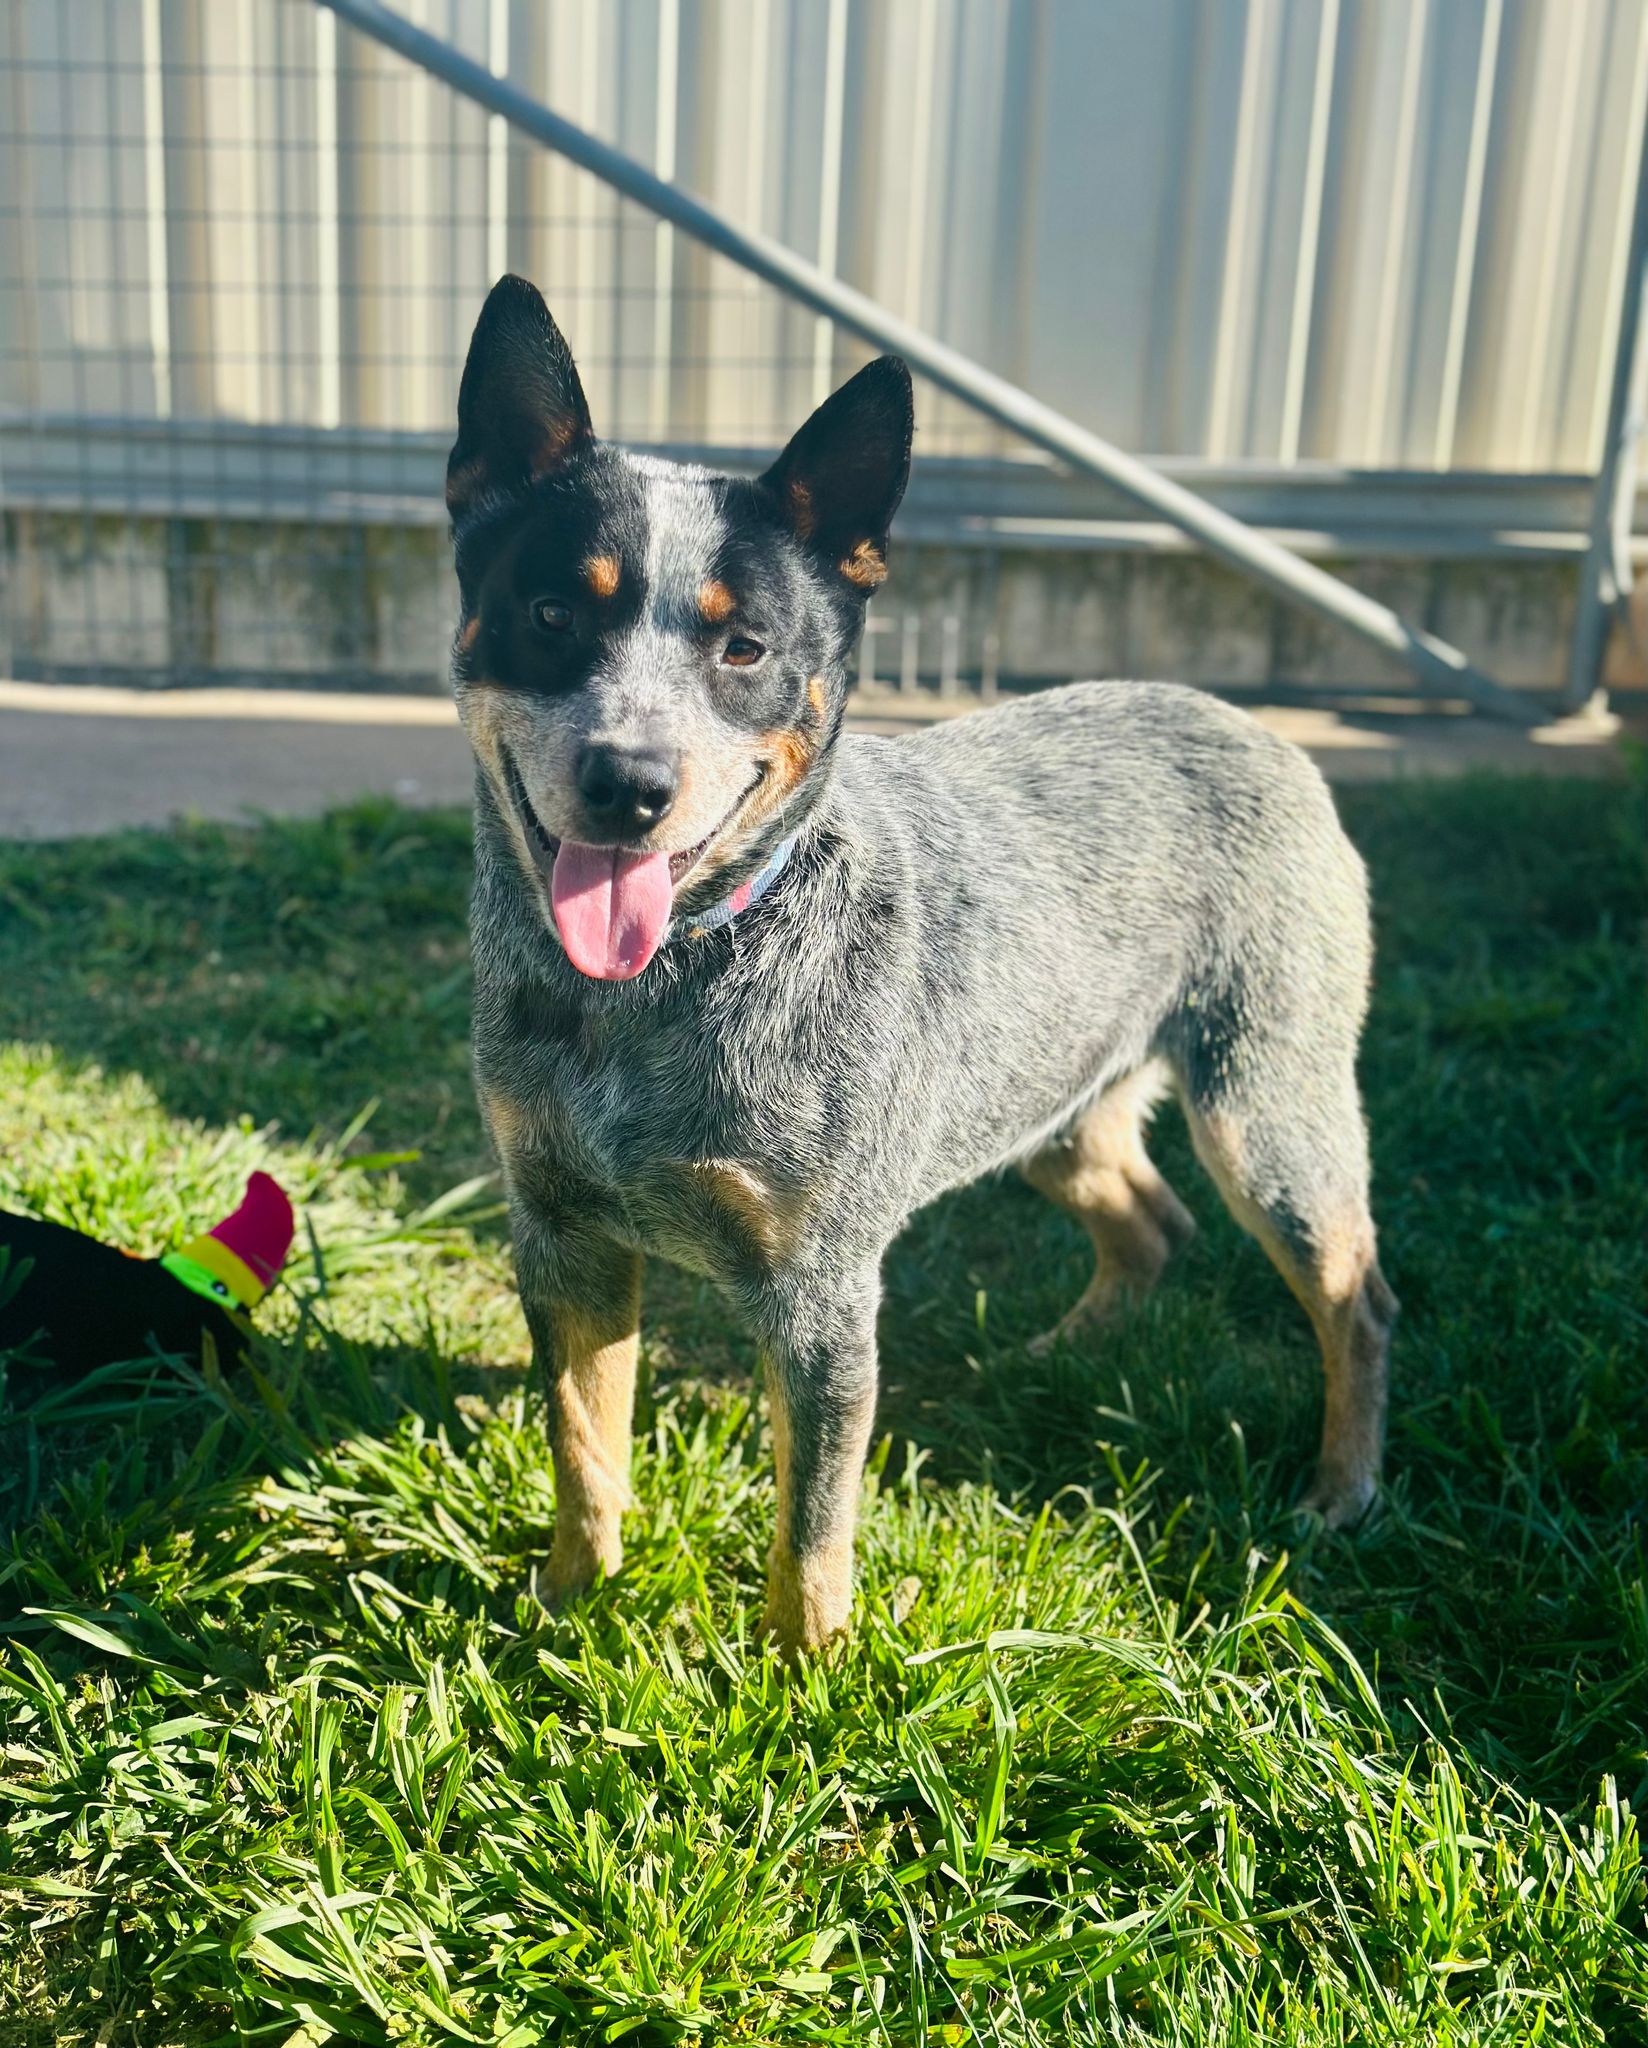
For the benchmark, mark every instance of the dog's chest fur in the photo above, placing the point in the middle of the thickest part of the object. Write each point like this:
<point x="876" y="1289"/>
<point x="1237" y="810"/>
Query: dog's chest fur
<point x="595" y="1142"/>
<point x="646" y="1117"/>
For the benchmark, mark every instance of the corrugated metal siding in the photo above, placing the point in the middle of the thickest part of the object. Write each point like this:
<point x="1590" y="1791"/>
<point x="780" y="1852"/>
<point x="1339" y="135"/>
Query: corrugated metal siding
<point x="1378" y="232"/>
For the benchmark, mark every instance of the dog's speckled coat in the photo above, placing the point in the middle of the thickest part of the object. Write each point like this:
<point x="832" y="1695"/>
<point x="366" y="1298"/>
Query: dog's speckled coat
<point x="994" y="944"/>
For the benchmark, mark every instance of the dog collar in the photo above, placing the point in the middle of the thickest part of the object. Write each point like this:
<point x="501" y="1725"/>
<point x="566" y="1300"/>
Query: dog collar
<point x="746" y="895"/>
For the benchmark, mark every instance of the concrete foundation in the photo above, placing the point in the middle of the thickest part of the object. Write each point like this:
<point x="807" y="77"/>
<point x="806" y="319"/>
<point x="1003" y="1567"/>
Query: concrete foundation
<point x="95" y="597"/>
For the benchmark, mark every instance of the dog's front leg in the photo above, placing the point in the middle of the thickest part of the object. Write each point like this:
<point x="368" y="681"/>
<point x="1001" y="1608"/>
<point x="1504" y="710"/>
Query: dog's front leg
<point x="582" y="1297"/>
<point x="821" y="1380"/>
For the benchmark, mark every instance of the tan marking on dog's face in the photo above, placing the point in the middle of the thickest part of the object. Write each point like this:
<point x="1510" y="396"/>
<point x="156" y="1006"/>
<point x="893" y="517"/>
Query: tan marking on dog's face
<point x="544" y="737"/>
<point x="729" y="779"/>
<point x="470" y="633"/>
<point x="715" y="601"/>
<point x="602" y="573"/>
<point x="816" y="696"/>
<point x="788" y="755"/>
<point x="864" y="567"/>
<point x="490" y="718"/>
<point x="478" y="714"/>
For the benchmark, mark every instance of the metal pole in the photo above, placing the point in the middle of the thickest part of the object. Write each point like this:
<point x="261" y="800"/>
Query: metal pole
<point x="1605" y="574"/>
<point x="1440" y="669"/>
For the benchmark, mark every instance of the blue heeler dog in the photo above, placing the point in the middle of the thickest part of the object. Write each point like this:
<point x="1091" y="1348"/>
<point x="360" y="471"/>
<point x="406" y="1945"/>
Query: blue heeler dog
<point x="748" y="992"/>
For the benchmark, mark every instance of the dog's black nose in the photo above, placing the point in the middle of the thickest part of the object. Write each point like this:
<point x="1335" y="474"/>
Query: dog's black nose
<point x="625" y="791"/>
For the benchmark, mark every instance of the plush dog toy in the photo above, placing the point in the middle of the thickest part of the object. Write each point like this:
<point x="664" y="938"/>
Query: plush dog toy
<point x="70" y="1301"/>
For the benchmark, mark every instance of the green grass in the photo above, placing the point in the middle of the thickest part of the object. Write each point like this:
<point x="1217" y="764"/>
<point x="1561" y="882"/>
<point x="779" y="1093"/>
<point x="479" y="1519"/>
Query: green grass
<point x="1118" y="1752"/>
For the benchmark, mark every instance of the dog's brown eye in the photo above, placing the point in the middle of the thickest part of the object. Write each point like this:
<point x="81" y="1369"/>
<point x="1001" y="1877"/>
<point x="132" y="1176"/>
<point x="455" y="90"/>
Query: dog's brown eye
<point x="741" y="653"/>
<point x="549" y="615"/>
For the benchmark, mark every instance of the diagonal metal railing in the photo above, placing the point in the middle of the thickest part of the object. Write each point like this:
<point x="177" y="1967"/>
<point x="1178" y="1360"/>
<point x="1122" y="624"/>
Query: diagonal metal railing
<point x="1440" y="669"/>
<point x="1605" y="574"/>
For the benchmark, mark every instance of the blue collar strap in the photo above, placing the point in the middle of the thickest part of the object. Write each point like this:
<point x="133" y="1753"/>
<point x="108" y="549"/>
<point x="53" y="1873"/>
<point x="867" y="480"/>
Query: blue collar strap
<point x="746" y="895"/>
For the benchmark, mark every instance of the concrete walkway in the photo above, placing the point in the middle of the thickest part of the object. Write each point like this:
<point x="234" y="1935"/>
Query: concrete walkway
<point x="85" y="760"/>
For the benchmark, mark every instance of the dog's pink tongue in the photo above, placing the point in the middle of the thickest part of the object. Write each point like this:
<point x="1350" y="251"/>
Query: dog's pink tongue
<point x="610" y="907"/>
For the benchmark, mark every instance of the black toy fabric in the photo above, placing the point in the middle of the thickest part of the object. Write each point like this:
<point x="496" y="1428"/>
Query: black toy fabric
<point x="84" y="1304"/>
<point x="73" y="1303"/>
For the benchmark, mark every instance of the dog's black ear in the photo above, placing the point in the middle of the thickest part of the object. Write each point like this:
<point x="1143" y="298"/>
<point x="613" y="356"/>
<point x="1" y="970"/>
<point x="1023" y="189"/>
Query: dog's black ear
<point x="839" y="482"/>
<point x="521" y="409"/>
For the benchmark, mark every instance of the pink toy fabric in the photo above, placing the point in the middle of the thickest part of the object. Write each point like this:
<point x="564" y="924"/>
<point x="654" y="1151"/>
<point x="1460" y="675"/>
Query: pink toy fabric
<point x="259" y="1232"/>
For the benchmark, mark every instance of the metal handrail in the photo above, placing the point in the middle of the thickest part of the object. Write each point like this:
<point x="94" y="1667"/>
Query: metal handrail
<point x="1440" y="668"/>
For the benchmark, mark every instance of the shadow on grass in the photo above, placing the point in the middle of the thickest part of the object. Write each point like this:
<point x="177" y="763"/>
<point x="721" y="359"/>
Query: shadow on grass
<point x="292" y="973"/>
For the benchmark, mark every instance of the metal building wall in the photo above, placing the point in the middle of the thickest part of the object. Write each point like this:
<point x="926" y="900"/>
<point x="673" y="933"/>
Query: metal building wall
<point x="1385" y="233"/>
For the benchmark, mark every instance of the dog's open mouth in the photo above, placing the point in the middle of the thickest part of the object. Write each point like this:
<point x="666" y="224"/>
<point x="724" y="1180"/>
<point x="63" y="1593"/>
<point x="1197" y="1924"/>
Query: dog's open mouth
<point x="611" y="906"/>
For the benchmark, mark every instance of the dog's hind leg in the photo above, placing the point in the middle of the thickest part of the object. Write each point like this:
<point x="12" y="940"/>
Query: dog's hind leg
<point x="1099" y="1171"/>
<point x="1288" y="1153"/>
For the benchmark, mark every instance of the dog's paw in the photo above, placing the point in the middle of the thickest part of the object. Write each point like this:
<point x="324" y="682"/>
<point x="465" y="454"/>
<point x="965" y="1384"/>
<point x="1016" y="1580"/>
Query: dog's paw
<point x="1338" y="1500"/>
<point x="809" y="1601"/>
<point x="552" y="1589"/>
<point x="794" y="1647"/>
<point x="1083" y="1320"/>
<point x="575" y="1565"/>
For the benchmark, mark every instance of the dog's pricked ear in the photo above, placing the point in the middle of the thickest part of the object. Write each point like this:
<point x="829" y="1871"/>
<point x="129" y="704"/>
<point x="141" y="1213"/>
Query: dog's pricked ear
<point x="839" y="482"/>
<point x="521" y="409"/>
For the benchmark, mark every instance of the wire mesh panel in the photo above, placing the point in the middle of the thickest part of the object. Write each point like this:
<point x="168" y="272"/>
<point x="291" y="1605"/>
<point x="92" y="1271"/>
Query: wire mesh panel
<point x="242" y="248"/>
